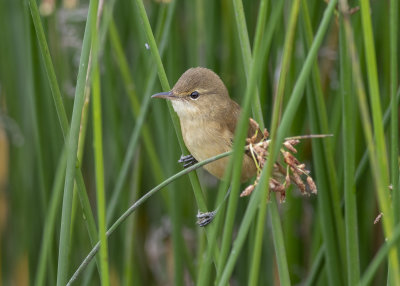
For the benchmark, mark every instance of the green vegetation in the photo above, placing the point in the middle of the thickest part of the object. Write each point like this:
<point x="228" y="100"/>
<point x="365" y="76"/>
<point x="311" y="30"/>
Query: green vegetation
<point x="87" y="156"/>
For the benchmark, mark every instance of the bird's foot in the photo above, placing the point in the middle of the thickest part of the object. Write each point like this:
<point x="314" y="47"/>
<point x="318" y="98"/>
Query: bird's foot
<point x="187" y="161"/>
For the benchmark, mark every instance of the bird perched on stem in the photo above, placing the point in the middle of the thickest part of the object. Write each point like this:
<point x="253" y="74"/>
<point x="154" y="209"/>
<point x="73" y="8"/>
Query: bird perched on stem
<point x="208" y="118"/>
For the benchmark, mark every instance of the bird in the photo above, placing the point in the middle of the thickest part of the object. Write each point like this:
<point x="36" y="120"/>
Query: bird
<point x="208" y="119"/>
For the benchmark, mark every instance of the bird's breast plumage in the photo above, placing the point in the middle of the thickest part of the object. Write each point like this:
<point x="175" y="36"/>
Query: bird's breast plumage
<point x="205" y="139"/>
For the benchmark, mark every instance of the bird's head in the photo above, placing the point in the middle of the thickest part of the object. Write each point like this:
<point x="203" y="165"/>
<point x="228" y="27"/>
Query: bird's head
<point x="199" y="91"/>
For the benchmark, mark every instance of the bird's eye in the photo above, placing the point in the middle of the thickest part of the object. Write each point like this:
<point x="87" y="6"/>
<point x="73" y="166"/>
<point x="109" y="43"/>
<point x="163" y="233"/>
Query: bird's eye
<point x="194" y="95"/>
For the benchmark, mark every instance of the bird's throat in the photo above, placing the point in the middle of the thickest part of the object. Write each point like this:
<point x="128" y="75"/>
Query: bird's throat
<point x="185" y="109"/>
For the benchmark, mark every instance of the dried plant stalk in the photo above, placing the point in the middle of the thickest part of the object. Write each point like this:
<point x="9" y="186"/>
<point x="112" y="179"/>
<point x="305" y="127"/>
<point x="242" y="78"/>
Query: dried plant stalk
<point x="287" y="170"/>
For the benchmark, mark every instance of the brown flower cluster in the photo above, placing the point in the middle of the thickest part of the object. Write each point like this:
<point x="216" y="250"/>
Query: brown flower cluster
<point x="287" y="169"/>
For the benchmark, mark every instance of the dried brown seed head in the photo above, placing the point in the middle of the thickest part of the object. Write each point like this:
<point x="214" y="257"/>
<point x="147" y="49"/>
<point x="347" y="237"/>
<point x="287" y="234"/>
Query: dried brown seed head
<point x="311" y="185"/>
<point x="289" y="147"/>
<point x="247" y="191"/>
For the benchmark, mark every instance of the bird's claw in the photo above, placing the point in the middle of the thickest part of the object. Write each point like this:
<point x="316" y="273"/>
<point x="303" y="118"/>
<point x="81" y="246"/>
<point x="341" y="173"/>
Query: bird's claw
<point x="187" y="161"/>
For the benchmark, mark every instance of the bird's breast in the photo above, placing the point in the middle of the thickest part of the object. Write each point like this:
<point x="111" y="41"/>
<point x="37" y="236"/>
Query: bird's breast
<point x="205" y="139"/>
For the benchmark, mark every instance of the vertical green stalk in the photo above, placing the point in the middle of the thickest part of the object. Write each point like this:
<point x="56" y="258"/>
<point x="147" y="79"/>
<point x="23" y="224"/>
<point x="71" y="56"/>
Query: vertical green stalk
<point x="123" y="67"/>
<point x="166" y="87"/>
<point x="72" y="146"/>
<point x="332" y="225"/>
<point x="62" y="116"/>
<point x="91" y="226"/>
<point x="381" y="169"/>
<point x="379" y="174"/>
<point x="200" y="33"/>
<point x="265" y="46"/>
<point x="286" y="121"/>
<point x="374" y="86"/>
<point x="140" y="114"/>
<point x="334" y="195"/>
<point x="238" y="145"/>
<point x="316" y="267"/>
<point x="243" y="230"/>
<point x="38" y="141"/>
<point x="246" y="52"/>
<point x="139" y="111"/>
<point x="362" y="165"/>
<point x="331" y="252"/>
<point x="299" y="87"/>
<point x="381" y="255"/>
<point x="212" y="232"/>
<point x="81" y="148"/>
<point x="350" y="203"/>
<point x="394" y="138"/>
<point x="98" y="154"/>
<point x="394" y="14"/>
<point x="279" y="241"/>
<point x="250" y="90"/>
<point x="131" y="275"/>
<point x="99" y="169"/>
<point x="241" y="129"/>
<point x="277" y="232"/>
<point x="50" y="221"/>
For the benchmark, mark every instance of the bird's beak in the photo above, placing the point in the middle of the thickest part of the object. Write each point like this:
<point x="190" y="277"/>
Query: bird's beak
<point x="166" y="95"/>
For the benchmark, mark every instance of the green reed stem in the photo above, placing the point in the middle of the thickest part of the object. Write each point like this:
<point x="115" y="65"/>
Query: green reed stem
<point x="166" y="87"/>
<point x="316" y="267"/>
<point x="381" y="170"/>
<point x="98" y="155"/>
<point x="246" y="52"/>
<point x="277" y="232"/>
<point x="50" y="221"/>
<point x="63" y="260"/>
<point x="334" y="197"/>
<point x="350" y="203"/>
<point x="286" y="120"/>
<point x="394" y="139"/>
<point x="140" y="114"/>
<point x="239" y="141"/>
<point x="61" y="111"/>
<point x="381" y="256"/>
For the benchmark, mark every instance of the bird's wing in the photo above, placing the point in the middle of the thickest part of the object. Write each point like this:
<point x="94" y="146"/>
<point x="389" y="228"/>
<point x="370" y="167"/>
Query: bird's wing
<point x="233" y="114"/>
<point x="231" y="124"/>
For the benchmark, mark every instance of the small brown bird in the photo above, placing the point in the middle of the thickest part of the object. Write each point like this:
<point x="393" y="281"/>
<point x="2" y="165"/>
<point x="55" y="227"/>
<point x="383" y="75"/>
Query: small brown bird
<point x="208" y="118"/>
